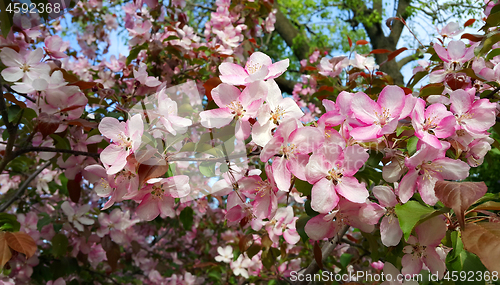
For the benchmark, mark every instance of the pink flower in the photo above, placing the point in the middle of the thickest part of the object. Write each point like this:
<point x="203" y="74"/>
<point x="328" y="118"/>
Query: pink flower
<point x="381" y="116"/>
<point x="331" y="170"/>
<point x="422" y="249"/>
<point x="427" y="166"/>
<point x="23" y="66"/>
<point x="390" y="231"/>
<point x="259" y="66"/>
<point x="451" y="29"/>
<point x="293" y="143"/>
<point x="475" y="117"/>
<point x="264" y="193"/>
<point x="167" y="110"/>
<point x="141" y="75"/>
<point x="126" y="138"/>
<point x="456" y="54"/>
<point x="393" y="272"/>
<point x="158" y="197"/>
<point x="55" y="47"/>
<point x="276" y="110"/>
<point x="433" y="123"/>
<point x="76" y="216"/>
<point x="283" y="223"/>
<point x="235" y="104"/>
<point x="332" y="67"/>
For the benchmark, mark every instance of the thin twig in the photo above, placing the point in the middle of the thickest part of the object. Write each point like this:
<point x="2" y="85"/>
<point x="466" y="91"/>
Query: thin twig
<point x="51" y="149"/>
<point x="326" y="251"/>
<point x="23" y="187"/>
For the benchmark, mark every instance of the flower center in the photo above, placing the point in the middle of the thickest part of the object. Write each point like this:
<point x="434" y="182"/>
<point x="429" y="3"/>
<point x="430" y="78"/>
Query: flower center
<point x="277" y="115"/>
<point x="288" y="151"/>
<point x="252" y="67"/>
<point x="382" y="118"/>
<point x="25" y="67"/>
<point x="236" y="109"/>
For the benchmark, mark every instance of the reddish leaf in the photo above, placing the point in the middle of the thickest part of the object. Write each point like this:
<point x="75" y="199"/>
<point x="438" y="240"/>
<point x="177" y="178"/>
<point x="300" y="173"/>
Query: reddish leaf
<point x="393" y="54"/>
<point x="459" y="196"/>
<point x="205" y="264"/>
<point x="82" y="123"/>
<point x="83" y="84"/>
<point x="390" y="22"/>
<point x="472" y="38"/>
<point x="245" y="242"/>
<point x="318" y="255"/>
<point x="362" y="42"/>
<point x="113" y="255"/>
<point x="490" y="205"/>
<point x="147" y="172"/>
<point x="13" y="99"/>
<point x="211" y="84"/>
<point x="407" y="90"/>
<point x="469" y="22"/>
<point x="380" y="50"/>
<point x="5" y="252"/>
<point x="350" y="41"/>
<point x="14" y="47"/>
<point x="483" y="239"/>
<point x="71" y="108"/>
<point x="21" y="242"/>
<point x="47" y="124"/>
<point x="310" y="68"/>
<point x="75" y="188"/>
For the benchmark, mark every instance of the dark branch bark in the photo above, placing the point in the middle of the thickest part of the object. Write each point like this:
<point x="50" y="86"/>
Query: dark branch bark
<point x="285" y="84"/>
<point x="288" y="31"/>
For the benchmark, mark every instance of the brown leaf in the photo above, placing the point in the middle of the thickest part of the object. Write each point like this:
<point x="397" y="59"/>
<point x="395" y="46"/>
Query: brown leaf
<point x="147" y="172"/>
<point x="21" y="242"/>
<point x="362" y="42"/>
<point x="209" y="85"/>
<point x="380" y="50"/>
<point x="490" y="205"/>
<point x="71" y="108"/>
<point x="113" y="255"/>
<point x="83" y="84"/>
<point x="82" y="123"/>
<point x="13" y="99"/>
<point x="390" y="21"/>
<point x="469" y="22"/>
<point x="483" y="239"/>
<point x="5" y="252"/>
<point x="472" y="38"/>
<point x="318" y="255"/>
<point x="393" y="54"/>
<point x="47" y="124"/>
<point x="459" y="196"/>
<point x="75" y="187"/>
<point x="245" y="242"/>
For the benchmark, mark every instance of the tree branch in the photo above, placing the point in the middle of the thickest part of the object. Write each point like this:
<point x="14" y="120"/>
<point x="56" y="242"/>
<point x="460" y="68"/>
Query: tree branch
<point x="287" y="30"/>
<point x="51" y="149"/>
<point x="405" y="60"/>
<point x="326" y="251"/>
<point x="23" y="187"/>
<point x="397" y="27"/>
<point x="285" y="84"/>
<point x="11" y="129"/>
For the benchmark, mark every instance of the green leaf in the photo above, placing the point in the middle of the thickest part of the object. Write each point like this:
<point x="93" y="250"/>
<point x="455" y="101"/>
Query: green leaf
<point x="492" y="54"/>
<point x="186" y="217"/>
<point x="345" y="259"/>
<point x="134" y="52"/>
<point x="432" y="89"/>
<point x="207" y="168"/>
<point x="411" y="145"/>
<point x="487" y="44"/>
<point x="59" y="245"/>
<point x="303" y="187"/>
<point x="45" y="220"/>
<point x="410" y="214"/>
<point x="253" y="250"/>
<point x="8" y="222"/>
<point x="5" y="18"/>
<point x="401" y="129"/>
<point x="459" y="259"/>
<point x="13" y="111"/>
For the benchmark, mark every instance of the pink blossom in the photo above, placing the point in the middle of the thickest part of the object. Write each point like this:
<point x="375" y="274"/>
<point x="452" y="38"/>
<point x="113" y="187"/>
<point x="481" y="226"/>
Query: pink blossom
<point x="475" y="117"/>
<point x="456" y="54"/>
<point x="23" y="66"/>
<point x="55" y="47"/>
<point x="422" y="249"/>
<point x="427" y="166"/>
<point x="76" y="217"/>
<point x="264" y="193"/>
<point x="381" y="116"/>
<point x="158" y="197"/>
<point x="393" y="272"/>
<point x="258" y="67"/>
<point x="433" y="123"/>
<point x="390" y="231"/>
<point x="331" y="171"/>
<point x="450" y="30"/>
<point x="294" y="143"/>
<point x="333" y="67"/>
<point x="283" y="223"/>
<point x="126" y="138"/>
<point x="141" y="75"/>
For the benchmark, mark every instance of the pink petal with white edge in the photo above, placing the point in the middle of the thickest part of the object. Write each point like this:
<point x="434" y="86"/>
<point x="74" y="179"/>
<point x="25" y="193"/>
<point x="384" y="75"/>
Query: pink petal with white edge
<point x="307" y="139"/>
<point x="317" y="168"/>
<point x="451" y="169"/>
<point x="291" y="236"/>
<point x="281" y="174"/>
<point x="148" y="210"/>
<point x="317" y="228"/>
<point x="434" y="262"/>
<point x="354" y="158"/>
<point x="461" y="101"/>
<point x="407" y="186"/>
<point x="216" y="118"/>
<point x="111" y="128"/>
<point x="166" y="207"/>
<point x="411" y="264"/>
<point x="441" y="52"/>
<point x="456" y="50"/>
<point x="390" y="231"/>
<point x="323" y="196"/>
<point x="298" y="165"/>
<point x="232" y="74"/>
<point x="426" y="185"/>
<point x="224" y="94"/>
<point x="12" y="74"/>
<point x="366" y="133"/>
<point x="364" y="108"/>
<point x="385" y="195"/>
<point x="352" y="190"/>
<point x="258" y="59"/>
<point x="392" y="98"/>
<point x="276" y="69"/>
<point x="242" y="130"/>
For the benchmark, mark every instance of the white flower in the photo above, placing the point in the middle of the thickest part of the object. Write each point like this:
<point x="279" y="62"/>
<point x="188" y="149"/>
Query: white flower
<point x="240" y="266"/>
<point x="76" y="217"/>
<point x="225" y="254"/>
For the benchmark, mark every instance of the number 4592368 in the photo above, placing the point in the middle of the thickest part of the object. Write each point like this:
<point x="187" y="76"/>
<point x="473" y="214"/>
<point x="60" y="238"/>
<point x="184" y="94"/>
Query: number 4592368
<point x="33" y="8"/>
